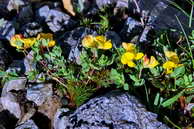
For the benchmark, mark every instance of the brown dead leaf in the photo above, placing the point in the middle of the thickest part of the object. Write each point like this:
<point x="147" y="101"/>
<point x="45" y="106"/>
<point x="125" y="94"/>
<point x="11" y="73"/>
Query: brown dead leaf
<point x="67" y="4"/>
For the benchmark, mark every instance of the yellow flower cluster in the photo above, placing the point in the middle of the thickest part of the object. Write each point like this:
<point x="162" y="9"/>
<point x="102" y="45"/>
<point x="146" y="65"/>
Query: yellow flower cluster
<point x="150" y="63"/>
<point x="99" y="42"/>
<point x="172" y="62"/>
<point x="20" y="42"/>
<point x="131" y="55"/>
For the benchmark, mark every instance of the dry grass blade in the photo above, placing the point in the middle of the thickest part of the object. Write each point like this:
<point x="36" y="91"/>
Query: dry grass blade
<point x="67" y="4"/>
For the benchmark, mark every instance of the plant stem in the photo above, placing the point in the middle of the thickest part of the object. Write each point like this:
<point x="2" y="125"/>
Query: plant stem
<point x="176" y="126"/>
<point x="147" y="97"/>
<point x="190" y="54"/>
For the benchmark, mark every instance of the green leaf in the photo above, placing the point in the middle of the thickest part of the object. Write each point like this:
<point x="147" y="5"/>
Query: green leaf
<point x="189" y="98"/>
<point x="2" y="73"/>
<point x="140" y="82"/>
<point x="117" y="77"/>
<point x="186" y="80"/>
<point x="179" y="82"/>
<point x="172" y="100"/>
<point x="179" y="71"/>
<point x="126" y="86"/>
<point x="44" y="42"/>
<point x="155" y="71"/>
<point x="157" y="99"/>
<point x="31" y="75"/>
<point x="134" y="78"/>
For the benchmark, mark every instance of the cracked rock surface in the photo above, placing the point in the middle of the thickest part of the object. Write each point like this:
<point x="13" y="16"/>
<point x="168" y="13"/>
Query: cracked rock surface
<point x="115" y="110"/>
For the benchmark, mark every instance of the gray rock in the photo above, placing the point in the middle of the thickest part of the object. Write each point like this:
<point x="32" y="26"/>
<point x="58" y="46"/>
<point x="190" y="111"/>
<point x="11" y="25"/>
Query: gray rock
<point x="74" y="37"/>
<point x="82" y="5"/>
<point x="114" y="37"/>
<point x="15" y="4"/>
<point x="147" y="35"/>
<point x="8" y="100"/>
<point x="16" y="85"/>
<point x="29" y="63"/>
<point x="74" y="55"/>
<point x="117" y="3"/>
<point x="122" y="3"/>
<point x="31" y="29"/>
<point x="59" y="21"/>
<point x="5" y="59"/>
<point x="28" y="125"/>
<point x="25" y="15"/>
<point x="17" y="66"/>
<point x="162" y="14"/>
<point x="1" y="107"/>
<point x="2" y="127"/>
<point x="10" y="103"/>
<point x="55" y="19"/>
<point x="114" y="110"/>
<point x="43" y="12"/>
<point x="131" y="28"/>
<point x="7" y="29"/>
<point x="71" y="42"/>
<point x="103" y="3"/>
<point x="7" y="120"/>
<point x="39" y="93"/>
<point x="59" y="121"/>
<point x="50" y="107"/>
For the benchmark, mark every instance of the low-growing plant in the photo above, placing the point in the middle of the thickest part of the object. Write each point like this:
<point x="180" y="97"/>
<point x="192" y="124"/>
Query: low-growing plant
<point x="165" y="78"/>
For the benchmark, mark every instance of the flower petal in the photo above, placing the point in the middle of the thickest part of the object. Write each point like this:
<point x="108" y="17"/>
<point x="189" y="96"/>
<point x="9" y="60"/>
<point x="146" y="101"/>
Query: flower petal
<point x="28" y="42"/>
<point x="131" y="64"/>
<point x="88" y="42"/>
<point x="129" y="47"/>
<point x="172" y="56"/>
<point x="45" y="36"/>
<point x="153" y="62"/>
<point x="100" y="39"/>
<point x="51" y="43"/>
<point x="107" y="45"/>
<point x="127" y="57"/>
<point x="146" y="61"/>
<point x="169" y="64"/>
<point x="139" y="56"/>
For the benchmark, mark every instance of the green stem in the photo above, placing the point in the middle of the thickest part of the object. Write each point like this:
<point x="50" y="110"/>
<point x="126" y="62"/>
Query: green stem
<point x="190" y="54"/>
<point x="147" y="96"/>
<point x="176" y="126"/>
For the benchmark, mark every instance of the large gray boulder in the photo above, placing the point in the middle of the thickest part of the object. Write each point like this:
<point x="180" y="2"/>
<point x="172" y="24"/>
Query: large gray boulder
<point x="115" y="110"/>
<point x="162" y="14"/>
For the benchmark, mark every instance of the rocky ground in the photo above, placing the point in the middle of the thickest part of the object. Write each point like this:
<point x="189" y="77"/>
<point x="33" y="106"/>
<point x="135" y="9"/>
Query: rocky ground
<point x="36" y="105"/>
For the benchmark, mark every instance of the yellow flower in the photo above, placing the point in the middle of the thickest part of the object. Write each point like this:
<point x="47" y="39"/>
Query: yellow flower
<point x="99" y="42"/>
<point x="47" y="36"/>
<point x="169" y="66"/>
<point x="149" y="63"/>
<point x="172" y="56"/>
<point x="127" y="58"/>
<point x="139" y="55"/>
<point x="131" y="64"/>
<point x="129" y="47"/>
<point x="172" y="63"/>
<point x="22" y="43"/>
<point x="88" y="41"/>
<point x="103" y="43"/>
